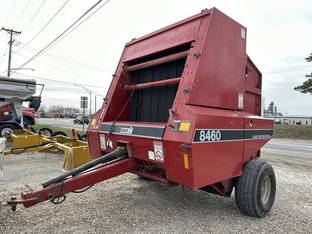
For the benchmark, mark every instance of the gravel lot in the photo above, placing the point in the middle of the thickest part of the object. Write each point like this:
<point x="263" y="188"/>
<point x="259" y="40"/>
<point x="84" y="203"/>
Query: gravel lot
<point x="128" y="204"/>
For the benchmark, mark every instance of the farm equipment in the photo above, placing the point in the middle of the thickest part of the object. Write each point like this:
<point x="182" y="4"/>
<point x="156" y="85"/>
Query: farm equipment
<point x="76" y="152"/>
<point x="183" y="108"/>
<point x="13" y="92"/>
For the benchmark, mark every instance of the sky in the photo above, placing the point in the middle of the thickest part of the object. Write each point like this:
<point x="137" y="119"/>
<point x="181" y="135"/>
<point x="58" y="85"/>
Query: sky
<point x="278" y="39"/>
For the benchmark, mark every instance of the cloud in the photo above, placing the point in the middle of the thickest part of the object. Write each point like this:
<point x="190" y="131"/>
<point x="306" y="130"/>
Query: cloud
<point x="279" y="82"/>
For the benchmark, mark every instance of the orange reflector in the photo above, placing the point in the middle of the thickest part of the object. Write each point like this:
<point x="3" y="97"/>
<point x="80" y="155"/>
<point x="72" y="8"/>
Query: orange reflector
<point x="93" y="122"/>
<point x="186" y="161"/>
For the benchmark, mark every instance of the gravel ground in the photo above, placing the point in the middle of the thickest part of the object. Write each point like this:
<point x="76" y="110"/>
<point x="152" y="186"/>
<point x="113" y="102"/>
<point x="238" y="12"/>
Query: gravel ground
<point x="127" y="204"/>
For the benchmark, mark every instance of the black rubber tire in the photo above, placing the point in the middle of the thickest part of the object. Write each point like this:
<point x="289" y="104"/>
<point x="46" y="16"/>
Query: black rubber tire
<point x="4" y="126"/>
<point x="248" y="188"/>
<point x="41" y="130"/>
<point x="57" y="133"/>
<point x="27" y="122"/>
<point x="82" y="137"/>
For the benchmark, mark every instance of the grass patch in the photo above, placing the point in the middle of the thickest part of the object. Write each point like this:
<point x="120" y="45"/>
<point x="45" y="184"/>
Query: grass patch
<point x="55" y="128"/>
<point x="293" y="132"/>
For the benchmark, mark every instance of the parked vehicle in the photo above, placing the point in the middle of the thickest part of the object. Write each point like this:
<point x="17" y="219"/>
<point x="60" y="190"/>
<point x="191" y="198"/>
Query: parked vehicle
<point x="13" y="94"/>
<point x="81" y="120"/>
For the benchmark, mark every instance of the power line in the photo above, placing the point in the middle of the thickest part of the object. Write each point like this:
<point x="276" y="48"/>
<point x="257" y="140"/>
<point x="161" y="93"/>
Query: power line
<point x="44" y="26"/>
<point x="86" y="18"/>
<point x="60" y="81"/>
<point x="44" y="49"/>
<point x="67" y="60"/>
<point x="52" y="66"/>
<point x="9" y="13"/>
<point x="38" y="10"/>
<point x="25" y="8"/>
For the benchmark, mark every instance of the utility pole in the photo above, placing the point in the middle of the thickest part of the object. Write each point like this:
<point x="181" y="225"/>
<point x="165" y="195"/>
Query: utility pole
<point x="11" y="32"/>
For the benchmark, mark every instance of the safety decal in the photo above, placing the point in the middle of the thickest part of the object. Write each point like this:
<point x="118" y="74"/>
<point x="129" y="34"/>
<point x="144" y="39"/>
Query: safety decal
<point x="134" y="130"/>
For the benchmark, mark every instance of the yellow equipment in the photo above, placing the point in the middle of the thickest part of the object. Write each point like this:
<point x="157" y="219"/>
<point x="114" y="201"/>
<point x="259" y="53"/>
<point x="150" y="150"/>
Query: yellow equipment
<point x="76" y="152"/>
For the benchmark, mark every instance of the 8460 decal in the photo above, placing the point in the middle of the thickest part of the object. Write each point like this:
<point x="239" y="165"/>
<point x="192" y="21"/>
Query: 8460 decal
<point x="209" y="135"/>
<point x="220" y="135"/>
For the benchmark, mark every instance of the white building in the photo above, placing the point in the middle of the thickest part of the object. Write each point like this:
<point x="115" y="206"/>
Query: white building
<point x="295" y="120"/>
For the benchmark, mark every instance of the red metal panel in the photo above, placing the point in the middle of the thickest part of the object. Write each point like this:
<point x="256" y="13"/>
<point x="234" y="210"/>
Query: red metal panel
<point x="165" y="39"/>
<point x="210" y="162"/>
<point x="251" y="147"/>
<point x="140" y="145"/>
<point x="220" y="73"/>
<point x="161" y="60"/>
<point x="252" y="98"/>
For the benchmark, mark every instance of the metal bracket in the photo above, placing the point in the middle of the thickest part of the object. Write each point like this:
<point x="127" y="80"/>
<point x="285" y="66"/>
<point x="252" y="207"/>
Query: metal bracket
<point x="197" y="54"/>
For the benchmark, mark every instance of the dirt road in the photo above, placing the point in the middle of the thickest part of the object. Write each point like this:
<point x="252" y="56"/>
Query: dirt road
<point x="127" y="204"/>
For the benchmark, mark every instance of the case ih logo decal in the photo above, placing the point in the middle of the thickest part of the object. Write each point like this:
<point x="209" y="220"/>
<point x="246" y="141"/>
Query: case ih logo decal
<point x="219" y="135"/>
<point x="134" y="130"/>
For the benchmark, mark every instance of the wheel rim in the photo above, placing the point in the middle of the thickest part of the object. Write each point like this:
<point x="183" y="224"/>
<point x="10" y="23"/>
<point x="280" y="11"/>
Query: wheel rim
<point x="265" y="190"/>
<point x="6" y="131"/>
<point x="46" y="133"/>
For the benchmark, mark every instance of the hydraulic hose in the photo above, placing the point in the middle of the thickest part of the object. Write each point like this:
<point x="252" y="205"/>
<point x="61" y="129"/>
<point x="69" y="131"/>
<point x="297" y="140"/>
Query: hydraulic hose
<point x="117" y="153"/>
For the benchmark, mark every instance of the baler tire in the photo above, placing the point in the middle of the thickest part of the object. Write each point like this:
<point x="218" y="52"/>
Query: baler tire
<point x="250" y="197"/>
<point x="59" y="133"/>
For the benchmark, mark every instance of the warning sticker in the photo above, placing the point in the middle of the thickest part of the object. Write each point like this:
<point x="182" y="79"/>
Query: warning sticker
<point x="158" y="151"/>
<point x="151" y="155"/>
<point x="241" y="100"/>
<point x="243" y="33"/>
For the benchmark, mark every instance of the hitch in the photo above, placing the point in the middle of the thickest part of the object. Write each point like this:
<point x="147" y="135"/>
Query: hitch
<point x="105" y="167"/>
<point x="12" y="203"/>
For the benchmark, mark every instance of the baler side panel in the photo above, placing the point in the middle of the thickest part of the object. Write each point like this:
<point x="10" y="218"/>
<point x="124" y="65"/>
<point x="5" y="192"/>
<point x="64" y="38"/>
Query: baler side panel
<point x="222" y="60"/>
<point x="251" y="147"/>
<point x="93" y="136"/>
<point x="166" y="39"/>
<point x="218" y="161"/>
<point x="252" y="99"/>
<point x="118" y="100"/>
<point x="210" y="162"/>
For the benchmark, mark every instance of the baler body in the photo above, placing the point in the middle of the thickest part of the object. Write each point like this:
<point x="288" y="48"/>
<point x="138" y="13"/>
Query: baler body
<point x="186" y="101"/>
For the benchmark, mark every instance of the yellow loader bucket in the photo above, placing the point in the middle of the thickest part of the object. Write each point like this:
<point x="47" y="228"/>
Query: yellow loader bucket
<point x="22" y="138"/>
<point x="76" y="152"/>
